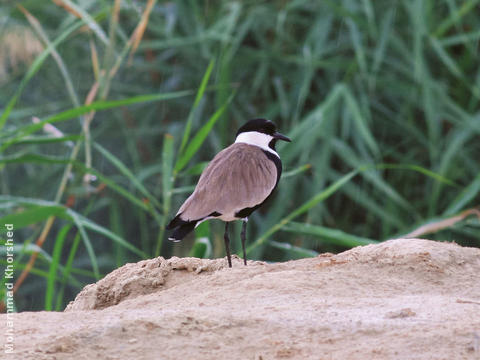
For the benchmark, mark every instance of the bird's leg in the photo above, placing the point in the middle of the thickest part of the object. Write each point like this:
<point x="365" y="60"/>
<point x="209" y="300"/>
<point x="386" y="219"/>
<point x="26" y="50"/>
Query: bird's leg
<point x="227" y="245"/>
<point x="243" y="235"/>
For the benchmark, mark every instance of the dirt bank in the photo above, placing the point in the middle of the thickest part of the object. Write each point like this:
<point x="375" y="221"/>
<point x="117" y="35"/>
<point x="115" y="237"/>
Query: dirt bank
<point x="402" y="299"/>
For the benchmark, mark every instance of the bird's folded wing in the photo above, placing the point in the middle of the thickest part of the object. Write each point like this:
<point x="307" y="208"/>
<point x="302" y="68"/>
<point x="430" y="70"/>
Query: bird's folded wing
<point x="241" y="176"/>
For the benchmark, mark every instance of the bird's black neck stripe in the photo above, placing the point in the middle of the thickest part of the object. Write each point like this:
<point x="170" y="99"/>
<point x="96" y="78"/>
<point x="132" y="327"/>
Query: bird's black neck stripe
<point x="278" y="164"/>
<point x="272" y="144"/>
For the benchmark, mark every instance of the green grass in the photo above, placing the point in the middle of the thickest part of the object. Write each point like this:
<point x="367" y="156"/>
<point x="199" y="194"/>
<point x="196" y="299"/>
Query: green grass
<point x="381" y="100"/>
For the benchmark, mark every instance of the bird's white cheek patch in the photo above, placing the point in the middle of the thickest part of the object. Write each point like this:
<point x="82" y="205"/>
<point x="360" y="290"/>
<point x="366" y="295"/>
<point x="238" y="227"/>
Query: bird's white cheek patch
<point x="256" y="138"/>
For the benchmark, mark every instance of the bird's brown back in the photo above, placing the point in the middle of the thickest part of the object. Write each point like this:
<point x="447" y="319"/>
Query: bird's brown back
<point x="240" y="176"/>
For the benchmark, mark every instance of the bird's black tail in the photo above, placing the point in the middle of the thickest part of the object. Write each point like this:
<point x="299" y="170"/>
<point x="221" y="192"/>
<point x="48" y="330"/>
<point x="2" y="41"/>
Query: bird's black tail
<point x="182" y="228"/>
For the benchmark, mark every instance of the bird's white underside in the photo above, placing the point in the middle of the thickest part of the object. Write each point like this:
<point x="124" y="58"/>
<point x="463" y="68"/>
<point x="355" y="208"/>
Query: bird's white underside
<point x="256" y="138"/>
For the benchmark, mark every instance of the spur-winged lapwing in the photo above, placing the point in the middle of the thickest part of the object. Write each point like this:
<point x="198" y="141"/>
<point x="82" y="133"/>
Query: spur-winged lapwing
<point x="235" y="183"/>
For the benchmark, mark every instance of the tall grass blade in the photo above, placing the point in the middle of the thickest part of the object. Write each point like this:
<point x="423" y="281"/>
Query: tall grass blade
<point x="295" y="252"/>
<point x="360" y="121"/>
<point x="299" y="170"/>
<point x="469" y="193"/>
<point x="304" y="208"/>
<point x="33" y="69"/>
<point x="127" y="173"/>
<point x="52" y="273"/>
<point x="449" y="21"/>
<point x="31" y="216"/>
<point x="420" y="169"/>
<point x="167" y="185"/>
<point x="88" y="244"/>
<point x="85" y="223"/>
<point x="87" y="19"/>
<point x="42" y="159"/>
<point x="199" y="138"/>
<point x="202" y="248"/>
<point x="198" y="98"/>
<point x="330" y="236"/>
<point x="98" y="105"/>
<point x="66" y="272"/>
<point x="41" y="140"/>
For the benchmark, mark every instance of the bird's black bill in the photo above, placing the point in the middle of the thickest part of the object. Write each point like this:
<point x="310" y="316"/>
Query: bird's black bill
<point x="279" y="136"/>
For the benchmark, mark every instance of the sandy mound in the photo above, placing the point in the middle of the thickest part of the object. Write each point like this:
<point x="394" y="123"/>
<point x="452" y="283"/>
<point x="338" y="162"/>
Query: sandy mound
<point x="402" y="299"/>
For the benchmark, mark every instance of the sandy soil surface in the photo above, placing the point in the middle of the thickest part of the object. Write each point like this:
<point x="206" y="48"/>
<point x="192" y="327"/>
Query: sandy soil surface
<point x="402" y="299"/>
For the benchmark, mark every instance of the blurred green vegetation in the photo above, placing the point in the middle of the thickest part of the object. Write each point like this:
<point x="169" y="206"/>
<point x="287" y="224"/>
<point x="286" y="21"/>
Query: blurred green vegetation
<point x="111" y="109"/>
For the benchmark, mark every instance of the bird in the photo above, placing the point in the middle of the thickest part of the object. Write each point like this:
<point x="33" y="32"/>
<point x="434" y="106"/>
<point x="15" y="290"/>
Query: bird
<point x="238" y="180"/>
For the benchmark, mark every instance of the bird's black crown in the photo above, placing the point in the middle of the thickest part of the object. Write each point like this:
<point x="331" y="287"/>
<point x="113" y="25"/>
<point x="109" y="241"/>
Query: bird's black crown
<point x="261" y="125"/>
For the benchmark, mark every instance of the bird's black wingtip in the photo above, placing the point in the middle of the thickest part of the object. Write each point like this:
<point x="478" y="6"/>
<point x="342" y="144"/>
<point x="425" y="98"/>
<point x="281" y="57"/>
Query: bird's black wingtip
<point x="176" y="221"/>
<point x="182" y="228"/>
